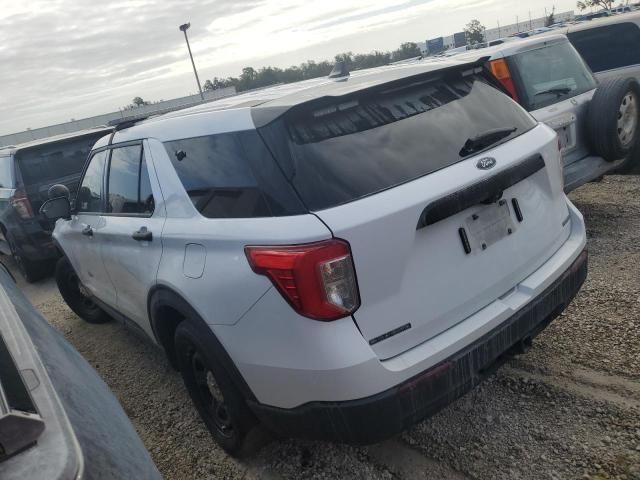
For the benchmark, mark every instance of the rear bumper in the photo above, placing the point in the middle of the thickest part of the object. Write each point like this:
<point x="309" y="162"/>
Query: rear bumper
<point x="377" y="417"/>
<point x="586" y="170"/>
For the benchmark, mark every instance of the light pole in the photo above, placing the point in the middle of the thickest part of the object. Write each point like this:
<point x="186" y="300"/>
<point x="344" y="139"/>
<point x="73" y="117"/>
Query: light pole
<point x="184" y="27"/>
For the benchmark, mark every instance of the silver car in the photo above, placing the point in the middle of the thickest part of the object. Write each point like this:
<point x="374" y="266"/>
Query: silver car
<point x="337" y="258"/>
<point x="596" y="121"/>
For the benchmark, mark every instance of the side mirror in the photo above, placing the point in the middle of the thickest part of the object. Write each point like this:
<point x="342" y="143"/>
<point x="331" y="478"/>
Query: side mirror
<point x="56" y="191"/>
<point x="56" y="208"/>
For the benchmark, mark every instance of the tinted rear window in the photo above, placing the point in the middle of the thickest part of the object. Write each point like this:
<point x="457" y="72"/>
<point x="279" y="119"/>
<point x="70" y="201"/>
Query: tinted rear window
<point x="609" y="47"/>
<point x="232" y="175"/>
<point x="48" y="163"/>
<point x="342" y="152"/>
<point x="6" y="172"/>
<point x="551" y="74"/>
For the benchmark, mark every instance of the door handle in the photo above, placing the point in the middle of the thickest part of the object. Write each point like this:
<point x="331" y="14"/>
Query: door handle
<point x="142" y="235"/>
<point x="87" y="231"/>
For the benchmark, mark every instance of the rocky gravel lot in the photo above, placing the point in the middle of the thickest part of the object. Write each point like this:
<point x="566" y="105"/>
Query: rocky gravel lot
<point x="568" y="409"/>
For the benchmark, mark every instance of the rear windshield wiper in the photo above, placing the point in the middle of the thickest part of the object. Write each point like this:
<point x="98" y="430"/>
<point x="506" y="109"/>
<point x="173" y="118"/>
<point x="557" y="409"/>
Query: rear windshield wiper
<point x="558" y="91"/>
<point x="484" y="140"/>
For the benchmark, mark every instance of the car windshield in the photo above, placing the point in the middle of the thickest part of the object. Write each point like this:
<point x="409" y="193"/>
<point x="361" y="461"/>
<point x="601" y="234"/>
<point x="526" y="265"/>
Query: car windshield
<point x="551" y="74"/>
<point x="6" y="175"/>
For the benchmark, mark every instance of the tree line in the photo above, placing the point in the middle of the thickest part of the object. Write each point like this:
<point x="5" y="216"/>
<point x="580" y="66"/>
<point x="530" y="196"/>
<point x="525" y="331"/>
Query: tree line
<point x="251" y="78"/>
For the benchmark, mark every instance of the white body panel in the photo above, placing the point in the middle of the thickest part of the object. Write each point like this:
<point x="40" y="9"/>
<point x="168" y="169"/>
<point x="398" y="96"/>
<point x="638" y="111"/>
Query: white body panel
<point x="84" y="253"/>
<point x="423" y="277"/>
<point x="290" y="360"/>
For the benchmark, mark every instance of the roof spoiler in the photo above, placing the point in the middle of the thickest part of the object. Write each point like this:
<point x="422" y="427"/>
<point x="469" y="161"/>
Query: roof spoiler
<point x="263" y="115"/>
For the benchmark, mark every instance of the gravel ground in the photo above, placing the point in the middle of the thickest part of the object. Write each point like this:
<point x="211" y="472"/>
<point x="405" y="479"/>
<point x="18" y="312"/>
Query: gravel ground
<point x="568" y="409"/>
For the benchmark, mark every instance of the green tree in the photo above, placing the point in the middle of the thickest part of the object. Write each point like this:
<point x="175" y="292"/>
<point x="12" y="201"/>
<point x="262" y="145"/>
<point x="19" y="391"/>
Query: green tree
<point x="605" y="4"/>
<point x="550" y="20"/>
<point x="208" y="85"/>
<point x="138" y="101"/>
<point x="406" y="50"/>
<point x="474" y="32"/>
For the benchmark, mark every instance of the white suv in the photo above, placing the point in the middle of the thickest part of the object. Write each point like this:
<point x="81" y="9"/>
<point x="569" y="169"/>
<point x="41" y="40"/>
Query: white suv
<point x="333" y="259"/>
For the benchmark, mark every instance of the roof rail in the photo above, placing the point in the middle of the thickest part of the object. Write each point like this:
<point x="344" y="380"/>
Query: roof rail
<point x="122" y="123"/>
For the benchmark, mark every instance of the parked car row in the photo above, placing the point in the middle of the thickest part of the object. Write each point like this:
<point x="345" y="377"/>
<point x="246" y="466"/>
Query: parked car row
<point x="340" y="258"/>
<point x="555" y="79"/>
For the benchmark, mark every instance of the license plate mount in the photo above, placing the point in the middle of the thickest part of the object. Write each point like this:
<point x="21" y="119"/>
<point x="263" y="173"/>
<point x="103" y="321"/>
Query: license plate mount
<point x="487" y="226"/>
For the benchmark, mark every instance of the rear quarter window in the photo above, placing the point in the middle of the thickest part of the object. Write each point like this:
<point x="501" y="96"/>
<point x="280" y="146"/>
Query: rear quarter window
<point x="232" y="175"/>
<point x="337" y="153"/>
<point x="608" y="47"/>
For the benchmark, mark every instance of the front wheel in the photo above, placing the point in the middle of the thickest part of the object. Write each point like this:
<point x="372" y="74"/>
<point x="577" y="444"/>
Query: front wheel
<point x="76" y="295"/>
<point x="219" y="403"/>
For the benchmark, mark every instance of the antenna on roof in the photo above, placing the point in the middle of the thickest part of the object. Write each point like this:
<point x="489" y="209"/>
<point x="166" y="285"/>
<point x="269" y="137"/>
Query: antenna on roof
<point x="340" y="70"/>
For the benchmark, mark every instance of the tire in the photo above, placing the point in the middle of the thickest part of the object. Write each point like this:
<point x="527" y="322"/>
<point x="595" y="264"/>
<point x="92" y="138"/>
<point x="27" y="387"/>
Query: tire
<point x="613" y="120"/>
<point x="218" y="401"/>
<point x="31" y="271"/>
<point x="72" y="292"/>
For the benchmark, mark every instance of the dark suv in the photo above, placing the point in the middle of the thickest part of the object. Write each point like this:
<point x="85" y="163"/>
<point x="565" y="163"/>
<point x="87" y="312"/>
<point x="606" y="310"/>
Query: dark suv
<point x="26" y="173"/>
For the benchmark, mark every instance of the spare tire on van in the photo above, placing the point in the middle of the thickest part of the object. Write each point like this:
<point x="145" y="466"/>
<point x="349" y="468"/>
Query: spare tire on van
<point x="613" y="122"/>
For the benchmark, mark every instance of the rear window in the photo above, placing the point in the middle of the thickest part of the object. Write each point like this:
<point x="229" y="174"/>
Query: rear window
<point x="232" y="175"/>
<point x="609" y="47"/>
<point x="48" y="163"/>
<point x="341" y="152"/>
<point x="551" y="74"/>
<point x="6" y="172"/>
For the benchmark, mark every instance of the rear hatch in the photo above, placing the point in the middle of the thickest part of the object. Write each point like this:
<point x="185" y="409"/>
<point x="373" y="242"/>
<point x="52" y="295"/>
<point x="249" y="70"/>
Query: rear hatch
<point x="53" y="163"/>
<point x="556" y="86"/>
<point x="447" y="191"/>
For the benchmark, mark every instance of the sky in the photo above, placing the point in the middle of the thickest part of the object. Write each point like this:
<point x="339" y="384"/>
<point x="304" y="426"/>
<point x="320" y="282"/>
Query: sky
<point x="70" y="59"/>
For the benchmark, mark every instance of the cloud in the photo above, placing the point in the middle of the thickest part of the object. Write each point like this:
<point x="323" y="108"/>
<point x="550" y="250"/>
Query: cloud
<point x="75" y="58"/>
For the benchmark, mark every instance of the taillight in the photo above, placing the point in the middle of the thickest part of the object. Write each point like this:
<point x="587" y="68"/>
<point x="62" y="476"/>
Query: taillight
<point x="317" y="279"/>
<point x="500" y="70"/>
<point x="21" y="204"/>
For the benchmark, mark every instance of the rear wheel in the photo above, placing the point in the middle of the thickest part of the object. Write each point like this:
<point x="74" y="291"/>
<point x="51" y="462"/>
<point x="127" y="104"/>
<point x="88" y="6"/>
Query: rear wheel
<point x="76" y="295"/>
<point x="219" y="403"/>
<point x="614" y="118"/>
<point x="30" y="270"/>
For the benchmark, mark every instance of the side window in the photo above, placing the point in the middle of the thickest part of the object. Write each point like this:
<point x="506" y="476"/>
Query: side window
<point x="129" y="188"/>
<point x="89" y="197"/>
<point x="217" y="176"/>
<point x="606" y="48"/>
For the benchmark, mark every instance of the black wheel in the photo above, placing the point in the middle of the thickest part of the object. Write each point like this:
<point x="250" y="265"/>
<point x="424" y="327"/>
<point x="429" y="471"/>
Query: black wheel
<point x="30" y="270"/>
<point x="219" y="403"/>
<point x="76" y="295"/>
<point x="614" y="118"/>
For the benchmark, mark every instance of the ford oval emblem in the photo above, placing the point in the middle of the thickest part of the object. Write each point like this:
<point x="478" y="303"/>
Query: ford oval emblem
<point x="486" y="163"/>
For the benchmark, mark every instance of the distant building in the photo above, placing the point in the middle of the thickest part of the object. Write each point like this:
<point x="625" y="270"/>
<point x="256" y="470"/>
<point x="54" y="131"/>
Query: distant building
<point x="158" y="108"/>
<point x="525" y="25"/>
<point x="439" y="44"/>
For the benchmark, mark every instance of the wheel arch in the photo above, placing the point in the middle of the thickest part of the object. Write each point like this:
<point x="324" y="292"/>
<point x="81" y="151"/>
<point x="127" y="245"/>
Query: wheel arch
<point x="166" y="310"/>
